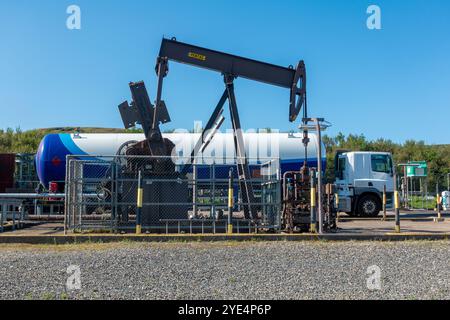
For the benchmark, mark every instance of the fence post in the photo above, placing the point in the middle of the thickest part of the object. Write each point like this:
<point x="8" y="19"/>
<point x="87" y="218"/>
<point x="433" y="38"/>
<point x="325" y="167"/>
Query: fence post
<point x="213" y="193"/>
<point x="313" y="228"/>
<point x="1" y="217"/>
<point x="438" y="205"/>
<point x="384" y="203"/>
<point x="66" y="191"/>
<point x="194" y="188"/>
<point x="140" y="194"/>
<point x="13" y="217"/>
<point x="22" y="215"/>
<point x="230" y="201"/>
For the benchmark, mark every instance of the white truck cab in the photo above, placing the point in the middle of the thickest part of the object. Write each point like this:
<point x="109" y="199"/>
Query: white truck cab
<point x="360" y="180"/>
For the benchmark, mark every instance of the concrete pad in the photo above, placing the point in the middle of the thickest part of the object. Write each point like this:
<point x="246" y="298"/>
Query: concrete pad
<point x="413" y="225"/>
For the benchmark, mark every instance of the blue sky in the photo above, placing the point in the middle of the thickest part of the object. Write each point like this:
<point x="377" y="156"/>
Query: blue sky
<point x="392" y="83"/>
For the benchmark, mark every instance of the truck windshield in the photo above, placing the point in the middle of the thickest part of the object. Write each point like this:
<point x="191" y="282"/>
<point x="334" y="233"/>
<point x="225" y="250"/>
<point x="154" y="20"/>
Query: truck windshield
<point x="381" y="163"/>
<point x="340" y="168"/>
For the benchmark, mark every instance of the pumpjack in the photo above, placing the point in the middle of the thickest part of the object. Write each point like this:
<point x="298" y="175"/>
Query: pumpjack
<point x="230" y="67"/>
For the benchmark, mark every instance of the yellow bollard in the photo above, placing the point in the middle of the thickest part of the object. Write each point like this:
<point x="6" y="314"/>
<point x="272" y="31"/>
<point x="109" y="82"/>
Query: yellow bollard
<point x="438" y="206"/>
<point x="230" y="201"/>
<point x="230" y="229"/>
<point x="313" y="228"/>
<point x="397" y="212"/>
<point x="139" y="200"/>
<point x="336" y="197"/>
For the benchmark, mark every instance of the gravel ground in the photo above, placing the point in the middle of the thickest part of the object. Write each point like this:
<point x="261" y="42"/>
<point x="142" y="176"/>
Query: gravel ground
<point x="227" y="270"/>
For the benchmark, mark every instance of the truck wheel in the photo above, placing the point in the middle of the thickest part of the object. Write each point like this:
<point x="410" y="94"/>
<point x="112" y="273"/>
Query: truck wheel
<point x="369" y="206"/>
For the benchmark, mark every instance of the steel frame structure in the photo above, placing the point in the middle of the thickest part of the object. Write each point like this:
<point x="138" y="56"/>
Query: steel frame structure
<point x="230" y="67"/>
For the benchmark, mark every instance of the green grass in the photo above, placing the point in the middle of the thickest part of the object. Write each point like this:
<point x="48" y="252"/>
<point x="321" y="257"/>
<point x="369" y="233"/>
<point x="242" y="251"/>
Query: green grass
<point x="426" y="204"/>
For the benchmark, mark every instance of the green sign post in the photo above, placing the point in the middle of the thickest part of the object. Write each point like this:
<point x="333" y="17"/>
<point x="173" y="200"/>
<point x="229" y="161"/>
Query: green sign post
<point x="419" y="169"/>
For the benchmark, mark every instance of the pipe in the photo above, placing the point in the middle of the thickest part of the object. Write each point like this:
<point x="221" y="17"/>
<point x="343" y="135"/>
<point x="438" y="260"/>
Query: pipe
<point x="319" y="176"/>
<point x="31" y="195"/>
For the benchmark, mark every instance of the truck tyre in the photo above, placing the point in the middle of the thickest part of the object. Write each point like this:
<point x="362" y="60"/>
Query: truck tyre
<point x="369" y="206"/>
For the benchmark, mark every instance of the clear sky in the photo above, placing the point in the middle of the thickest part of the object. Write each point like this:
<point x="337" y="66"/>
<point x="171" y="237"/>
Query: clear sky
<point x="392" y="83"/>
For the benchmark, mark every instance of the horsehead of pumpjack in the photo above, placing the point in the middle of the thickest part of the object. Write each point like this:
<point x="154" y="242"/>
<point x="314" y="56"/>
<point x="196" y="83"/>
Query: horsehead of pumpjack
<point x="141" y="111"/>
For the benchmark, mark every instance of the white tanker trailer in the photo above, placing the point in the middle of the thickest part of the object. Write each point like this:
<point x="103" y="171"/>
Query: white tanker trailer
<point x="260" y="147"/>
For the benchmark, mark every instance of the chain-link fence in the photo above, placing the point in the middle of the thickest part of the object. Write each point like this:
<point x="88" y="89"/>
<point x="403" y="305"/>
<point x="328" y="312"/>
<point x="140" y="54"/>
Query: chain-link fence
<point x="12" y="214"/>
<point x="178" y="195"/>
